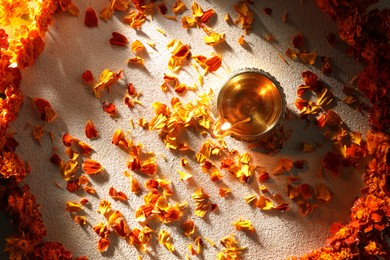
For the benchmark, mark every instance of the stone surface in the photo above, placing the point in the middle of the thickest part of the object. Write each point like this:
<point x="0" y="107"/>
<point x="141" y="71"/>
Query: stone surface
<point x="71" y="48"/>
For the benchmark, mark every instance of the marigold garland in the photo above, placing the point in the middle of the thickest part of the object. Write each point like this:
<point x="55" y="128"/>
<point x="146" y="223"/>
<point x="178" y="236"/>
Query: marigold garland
<point x="365" y="33"/>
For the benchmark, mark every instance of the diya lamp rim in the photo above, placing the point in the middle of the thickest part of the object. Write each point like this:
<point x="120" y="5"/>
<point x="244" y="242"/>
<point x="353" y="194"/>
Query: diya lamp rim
<point x="283" y="105"/>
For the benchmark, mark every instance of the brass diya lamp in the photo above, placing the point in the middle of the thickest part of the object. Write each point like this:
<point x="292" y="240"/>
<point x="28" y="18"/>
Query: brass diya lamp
<point x="251" y="104"/>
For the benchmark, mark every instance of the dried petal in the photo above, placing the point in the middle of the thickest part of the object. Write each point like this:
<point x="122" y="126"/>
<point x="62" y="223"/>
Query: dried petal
<point x="308" y="57"/>
<point x="92" y="167"/>
<point x="250" y="199"/>
<point x="106" y="80"/>
<point x="283" y="165"/>
<point x="90" y="19"/>
<point x="137" y="46"/>
<point x="213" y="38"/>
<point x="110" y="109"/>
<point x="165" y="239"/>
<point x="323" y="193"/>
<point x="117" y="195"/>
<point x="73" y="206"/>
<point x="178" y="7"/>
<point x="297" y="41"/>
<point x="326" y="66"/>
<point x="81" y="220"/>
<point x="45" y="109"/>
<point x="136" y="60"/>
<point x="223" y="192"/>
<point x="245" y="225"/>
<point x="118" y="39"/>
<point x="135" y="186"/>
<point x="264" y="203"/>
<point x="87" y="77"/>
<point x="103" y="244"/>
<point x="184" y="176"/>
<point x="149" y="167"/>
<point x="90" y="130"/>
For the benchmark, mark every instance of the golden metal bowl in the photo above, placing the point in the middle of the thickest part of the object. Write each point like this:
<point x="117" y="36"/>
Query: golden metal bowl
<point x="250" y="104"/>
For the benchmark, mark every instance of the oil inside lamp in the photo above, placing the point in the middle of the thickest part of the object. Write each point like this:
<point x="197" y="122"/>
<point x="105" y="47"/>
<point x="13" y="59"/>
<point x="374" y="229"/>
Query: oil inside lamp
<point x="250" y="104"/>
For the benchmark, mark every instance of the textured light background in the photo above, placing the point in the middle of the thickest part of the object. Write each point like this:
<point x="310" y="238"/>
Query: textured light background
<point x="71" y="48"/>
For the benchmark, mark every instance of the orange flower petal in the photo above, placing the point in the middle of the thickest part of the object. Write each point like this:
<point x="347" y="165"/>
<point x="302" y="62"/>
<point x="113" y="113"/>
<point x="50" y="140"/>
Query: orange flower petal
<point x="103" y="244"/>
<point x="90" y="19"/>
<point x="137" y="46"/>
<point x="117" y="195"/>
<point x="110" y="109"/>
<point x="136" y="60"/>
<point x="73" y="206"/>
<point x="87" y="77"/>
<point x="118" y="39"/>
<point x="92" y="167"/>
<point x="90" y="130"/>
<point x="45" y="109"/>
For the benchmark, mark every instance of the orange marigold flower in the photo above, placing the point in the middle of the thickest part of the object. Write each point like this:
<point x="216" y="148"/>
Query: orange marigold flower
<point x="213" y="38"/>
<point x="18" y="248"/>
<point x="108" y="11"/>
<point x="184" y="175"/>
<point x="210" y="64"/>
<point x="11" y="166"/>
<point x="297" y="41"/>
<point x="52" y="250"/>
<point x="202" y="202"/>
<point x="143" y="212"/>
<point x="85" y="148"/>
